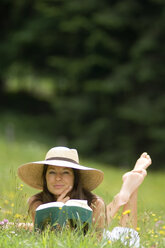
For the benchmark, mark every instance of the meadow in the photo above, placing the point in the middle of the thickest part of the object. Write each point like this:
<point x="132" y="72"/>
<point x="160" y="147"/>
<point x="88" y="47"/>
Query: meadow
<point x="14" y="195"/>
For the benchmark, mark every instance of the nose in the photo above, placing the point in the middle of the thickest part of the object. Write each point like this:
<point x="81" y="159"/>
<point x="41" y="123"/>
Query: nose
<point x="58" y="177"/>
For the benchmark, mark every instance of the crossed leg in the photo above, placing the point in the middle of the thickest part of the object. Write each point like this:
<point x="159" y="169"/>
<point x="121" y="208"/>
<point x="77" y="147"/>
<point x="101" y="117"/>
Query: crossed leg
<point x="133" y="179"/>
<point x="127" y="196"/>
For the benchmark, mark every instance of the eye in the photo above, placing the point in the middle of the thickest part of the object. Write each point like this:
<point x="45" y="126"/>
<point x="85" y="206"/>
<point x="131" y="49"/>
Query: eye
<point x="52" y="172"/>
<point x="66" y="172"/>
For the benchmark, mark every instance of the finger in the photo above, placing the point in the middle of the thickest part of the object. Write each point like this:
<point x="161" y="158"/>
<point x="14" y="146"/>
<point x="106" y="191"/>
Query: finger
<point x="67" y="198"/>
<point x="65" y="191"/>
<point x="63" y="194"/>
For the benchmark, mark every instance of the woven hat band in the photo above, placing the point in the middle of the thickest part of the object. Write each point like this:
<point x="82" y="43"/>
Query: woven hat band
<point x="64" y="159"/>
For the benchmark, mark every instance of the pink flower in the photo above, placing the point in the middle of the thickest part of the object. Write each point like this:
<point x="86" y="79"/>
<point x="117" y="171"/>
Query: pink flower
<point x="5" y="221"/>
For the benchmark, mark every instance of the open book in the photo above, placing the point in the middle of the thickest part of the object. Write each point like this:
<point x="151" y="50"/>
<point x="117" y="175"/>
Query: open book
<point x="58" y="214"/>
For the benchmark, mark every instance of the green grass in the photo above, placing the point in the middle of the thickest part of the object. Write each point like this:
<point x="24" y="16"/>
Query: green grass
<point x="13" y="202"/>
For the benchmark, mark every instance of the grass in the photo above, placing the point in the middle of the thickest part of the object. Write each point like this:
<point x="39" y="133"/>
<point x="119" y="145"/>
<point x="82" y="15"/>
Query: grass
<point x="14" y="195"/>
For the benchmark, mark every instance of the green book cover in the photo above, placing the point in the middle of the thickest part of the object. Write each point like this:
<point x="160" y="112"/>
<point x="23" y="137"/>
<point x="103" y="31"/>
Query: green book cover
<point x="58" y="214"/>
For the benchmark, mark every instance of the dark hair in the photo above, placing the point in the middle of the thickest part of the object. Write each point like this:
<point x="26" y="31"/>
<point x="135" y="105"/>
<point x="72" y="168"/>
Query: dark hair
<point x="78" y="192"/>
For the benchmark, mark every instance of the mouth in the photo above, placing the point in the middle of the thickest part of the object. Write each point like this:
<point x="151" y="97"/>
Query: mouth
<point x="58" y="186"/>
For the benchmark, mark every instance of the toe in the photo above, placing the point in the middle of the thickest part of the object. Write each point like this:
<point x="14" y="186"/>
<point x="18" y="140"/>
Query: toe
<point x="144" y="154"/>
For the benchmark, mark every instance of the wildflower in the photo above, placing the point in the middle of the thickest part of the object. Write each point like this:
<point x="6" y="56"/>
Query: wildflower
<point x="20" y="187"/>
<point x="109" y="241"/>
<point x="5" y="221"/>
<point x="17" y="216"/>
<point x="137" y="228"/>
<point x="12" y="205"/>
<point x="163" y="227"/>
<point x="153" y="215"/>
<point x="127" y="212"/>
<point x="158" y="223"/>
<point x="155" y="219"/>
<point x="60" y="208"/>
<point x="162" y="232"/>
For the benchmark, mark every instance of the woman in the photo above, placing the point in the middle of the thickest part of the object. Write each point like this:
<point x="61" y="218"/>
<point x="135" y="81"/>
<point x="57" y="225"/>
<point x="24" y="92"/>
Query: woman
<point x="60" y="177"/>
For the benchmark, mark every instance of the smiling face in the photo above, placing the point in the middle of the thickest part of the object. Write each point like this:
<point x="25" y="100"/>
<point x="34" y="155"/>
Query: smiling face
<point x="58" y="179"/>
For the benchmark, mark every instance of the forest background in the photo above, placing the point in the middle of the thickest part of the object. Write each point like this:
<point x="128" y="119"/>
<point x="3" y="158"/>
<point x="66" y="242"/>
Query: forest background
<point x="85" y="74"/>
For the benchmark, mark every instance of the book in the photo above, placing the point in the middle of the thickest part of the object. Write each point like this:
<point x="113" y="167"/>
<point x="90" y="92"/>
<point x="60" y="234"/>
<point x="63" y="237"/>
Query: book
<point x="75" y="213"/>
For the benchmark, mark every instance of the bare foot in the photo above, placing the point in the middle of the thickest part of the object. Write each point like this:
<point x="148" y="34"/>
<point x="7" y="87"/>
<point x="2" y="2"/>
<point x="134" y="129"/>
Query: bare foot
<point x="131" y="181"/>
<point x="143" y="162"/>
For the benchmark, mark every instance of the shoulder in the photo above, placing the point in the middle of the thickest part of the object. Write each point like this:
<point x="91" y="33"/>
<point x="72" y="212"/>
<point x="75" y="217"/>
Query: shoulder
<point x="35" y="198"/>
<point x="98" y="203"/>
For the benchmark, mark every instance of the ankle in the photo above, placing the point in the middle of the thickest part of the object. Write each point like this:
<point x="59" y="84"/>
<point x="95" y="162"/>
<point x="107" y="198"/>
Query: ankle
<point x="122" y="198"/>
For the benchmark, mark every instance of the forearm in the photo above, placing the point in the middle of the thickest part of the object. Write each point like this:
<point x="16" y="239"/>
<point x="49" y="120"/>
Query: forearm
<point x="21" y="225"/>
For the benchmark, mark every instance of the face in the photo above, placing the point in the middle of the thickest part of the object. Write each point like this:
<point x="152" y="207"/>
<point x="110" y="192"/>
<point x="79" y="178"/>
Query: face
<point x="58" y="179"/>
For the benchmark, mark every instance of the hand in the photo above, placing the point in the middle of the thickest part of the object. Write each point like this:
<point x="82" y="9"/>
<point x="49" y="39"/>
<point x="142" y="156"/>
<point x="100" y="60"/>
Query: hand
<point x="63" y="198"/>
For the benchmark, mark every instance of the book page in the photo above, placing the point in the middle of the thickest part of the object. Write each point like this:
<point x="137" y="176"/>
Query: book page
<point x="78" y="203"/>
<point x="50" y="205"/>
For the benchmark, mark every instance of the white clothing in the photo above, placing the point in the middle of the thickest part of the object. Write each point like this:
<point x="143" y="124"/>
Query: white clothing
<point x="127" y="236"/>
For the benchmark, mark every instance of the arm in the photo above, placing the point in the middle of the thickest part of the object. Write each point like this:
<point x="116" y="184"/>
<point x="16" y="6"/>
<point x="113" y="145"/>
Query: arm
<point x="99" y="214"/>
<point x="33" y="204"/>
<point x="32" y="209"/>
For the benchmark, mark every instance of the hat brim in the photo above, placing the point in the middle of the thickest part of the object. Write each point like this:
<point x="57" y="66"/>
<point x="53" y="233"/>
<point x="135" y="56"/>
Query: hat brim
<point x="31" y="173"/>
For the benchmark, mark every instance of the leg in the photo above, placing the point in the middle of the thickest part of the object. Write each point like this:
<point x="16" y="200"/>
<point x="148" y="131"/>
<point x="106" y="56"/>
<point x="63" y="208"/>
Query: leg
<point x="129" y="213"/>
<point x="127" y="196"/>
<point x="133" y="179"/>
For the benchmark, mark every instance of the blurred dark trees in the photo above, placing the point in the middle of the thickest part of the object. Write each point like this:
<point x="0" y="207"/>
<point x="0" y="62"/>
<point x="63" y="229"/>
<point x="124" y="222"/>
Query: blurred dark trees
<point x="107" y="62"/>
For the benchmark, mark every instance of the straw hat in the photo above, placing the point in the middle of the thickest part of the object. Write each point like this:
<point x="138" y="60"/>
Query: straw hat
<point x="31" y="173"/>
